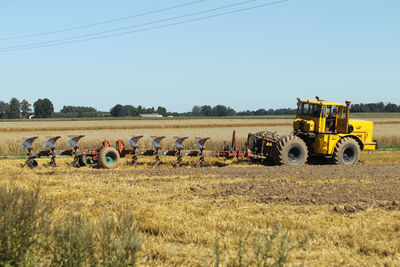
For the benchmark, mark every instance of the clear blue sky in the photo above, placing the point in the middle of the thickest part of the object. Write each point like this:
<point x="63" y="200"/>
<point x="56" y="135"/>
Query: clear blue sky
<point x="261" y="58"/>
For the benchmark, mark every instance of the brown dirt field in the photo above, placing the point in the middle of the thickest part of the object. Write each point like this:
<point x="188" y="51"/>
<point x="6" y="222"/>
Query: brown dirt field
<point x="344" y="189"/>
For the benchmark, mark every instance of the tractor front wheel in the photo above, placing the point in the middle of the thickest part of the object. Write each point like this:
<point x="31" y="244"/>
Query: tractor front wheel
<point x="347" y="152"/>
<point x="108" y="158"/>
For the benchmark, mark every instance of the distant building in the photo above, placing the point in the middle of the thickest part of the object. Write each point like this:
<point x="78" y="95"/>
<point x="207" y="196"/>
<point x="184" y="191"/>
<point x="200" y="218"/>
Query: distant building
<point x="150" y="115"/>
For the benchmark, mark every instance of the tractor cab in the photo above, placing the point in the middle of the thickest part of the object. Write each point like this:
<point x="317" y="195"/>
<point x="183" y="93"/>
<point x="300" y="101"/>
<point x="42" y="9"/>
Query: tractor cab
<point x="318" y="116"/>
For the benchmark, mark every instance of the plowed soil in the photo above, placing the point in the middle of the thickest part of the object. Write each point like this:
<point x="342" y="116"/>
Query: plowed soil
<point x="344" y="189"/>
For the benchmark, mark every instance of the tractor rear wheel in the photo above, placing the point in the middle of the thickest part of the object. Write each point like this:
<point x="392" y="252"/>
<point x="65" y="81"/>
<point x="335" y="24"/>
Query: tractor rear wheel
<point x="290" y="150"/>
<point x="347" y="152"/>
<point x="108" y="158"/>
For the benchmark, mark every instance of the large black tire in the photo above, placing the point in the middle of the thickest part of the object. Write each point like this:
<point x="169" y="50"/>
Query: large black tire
<point x="108" y="158"/>
<point x="290" y="150"/>
<point x="347" y="152"/>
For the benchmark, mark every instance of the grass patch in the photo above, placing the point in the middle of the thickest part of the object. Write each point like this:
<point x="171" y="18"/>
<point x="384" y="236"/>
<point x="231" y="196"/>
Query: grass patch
<point x="391" y="147"/>
<point x="272" y="248"/>
<point x="22" y="218"/>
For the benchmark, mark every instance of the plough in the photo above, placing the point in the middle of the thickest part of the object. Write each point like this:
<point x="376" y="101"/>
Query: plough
<point x="108" y="157"/>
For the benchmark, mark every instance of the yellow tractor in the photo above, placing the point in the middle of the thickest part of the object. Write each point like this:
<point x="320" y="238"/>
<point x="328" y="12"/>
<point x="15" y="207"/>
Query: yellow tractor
<point x="321" y="129"/>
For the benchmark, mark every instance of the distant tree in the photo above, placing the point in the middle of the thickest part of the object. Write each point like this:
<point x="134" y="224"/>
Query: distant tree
<point x="66" y="109"/>
<point x="14" y="109"/>
<point x="245" y="113"/>
<point x="374" y="107"/>
<point x="206" y="110"/>
<point x="380" y="107"/>
<point x="4" y="110"/>
<point x="260" y="112"/>
<point x="196" y="111"/>
<point x="219" y="110"/>
<point x="117" y="111"/>
<point x="271" y="111"/>
<point x="285" y="111"/>
<point x="26" y="109"/>
<point x="230" y="112"/>
<point x="77" y="109"/>
<point x="43" y="108"/>
<point x="355" y="108"/>
<point x="391" y="108"/>
<point x="130" y="111"/>
<point x="162" y="111"/>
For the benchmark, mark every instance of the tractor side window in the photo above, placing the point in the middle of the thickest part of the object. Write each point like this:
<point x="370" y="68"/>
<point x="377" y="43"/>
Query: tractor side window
<point x="330" y="118"/>
<point x="305" y="108"/>
<point x="340" y="113"/>
<point x="316" y="111"/>
<point x="311" y="111"/>
<point x="329" y="111"/>
<point x="334" y="110"/>
<point x="324" y="112"/>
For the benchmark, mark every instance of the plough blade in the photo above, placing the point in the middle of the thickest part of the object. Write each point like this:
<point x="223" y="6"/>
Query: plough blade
<point x="178" y="141"/>
<point x="156" y="141"/>
<point x="28" y="142"/>
<point x="201" y="141"/>
<point x="74" y="140"/>
<point x="50" y="143"/>
<point x="134" y="140"/>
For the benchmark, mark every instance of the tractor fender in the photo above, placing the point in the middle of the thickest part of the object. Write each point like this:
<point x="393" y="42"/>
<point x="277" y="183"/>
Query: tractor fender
<point x="360" y="143"/>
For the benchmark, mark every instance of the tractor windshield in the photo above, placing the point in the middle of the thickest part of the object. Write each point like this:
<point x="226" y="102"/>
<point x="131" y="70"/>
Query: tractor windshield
<point x="307" y="109"/>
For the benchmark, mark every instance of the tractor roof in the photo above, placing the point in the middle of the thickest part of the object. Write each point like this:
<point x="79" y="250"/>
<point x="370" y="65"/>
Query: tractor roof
<point x="320" y="102"/>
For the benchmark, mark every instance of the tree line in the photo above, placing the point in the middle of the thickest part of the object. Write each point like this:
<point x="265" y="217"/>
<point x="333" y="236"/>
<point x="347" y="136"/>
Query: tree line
<point x="43" y="108"/>
<point x="374" y="107"/>
<point x="221" y="110"/>
<point x="131" y="111"/>
<point x="15" y="109"/>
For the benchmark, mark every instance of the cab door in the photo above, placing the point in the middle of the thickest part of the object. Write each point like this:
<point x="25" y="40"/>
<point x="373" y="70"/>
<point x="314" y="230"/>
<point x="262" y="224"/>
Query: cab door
<point x="341" y="122"/>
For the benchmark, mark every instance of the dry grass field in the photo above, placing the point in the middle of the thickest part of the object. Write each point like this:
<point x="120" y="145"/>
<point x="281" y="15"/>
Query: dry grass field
<point x="351" y="215"/>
